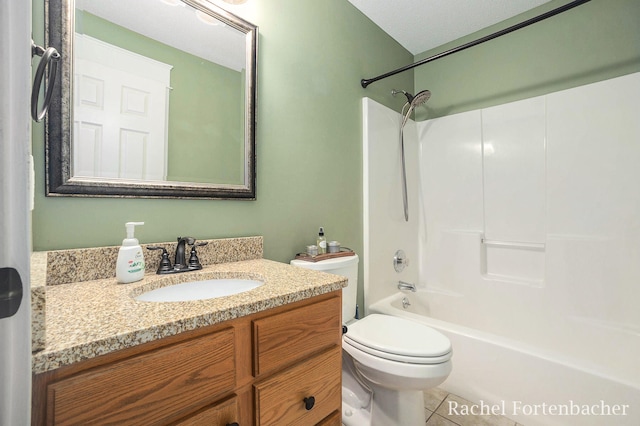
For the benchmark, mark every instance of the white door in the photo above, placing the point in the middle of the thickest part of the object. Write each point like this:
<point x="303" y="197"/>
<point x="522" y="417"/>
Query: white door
<point x="15" y="220"/>
<point x="120" y="112"/>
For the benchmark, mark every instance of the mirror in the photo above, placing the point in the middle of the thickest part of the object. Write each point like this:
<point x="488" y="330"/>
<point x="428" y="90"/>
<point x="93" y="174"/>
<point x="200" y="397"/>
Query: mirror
<point x="153" y="98"/>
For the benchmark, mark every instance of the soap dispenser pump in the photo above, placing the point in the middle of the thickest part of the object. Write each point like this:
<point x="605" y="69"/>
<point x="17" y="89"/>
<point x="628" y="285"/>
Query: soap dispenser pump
<point x="130" y="264"/>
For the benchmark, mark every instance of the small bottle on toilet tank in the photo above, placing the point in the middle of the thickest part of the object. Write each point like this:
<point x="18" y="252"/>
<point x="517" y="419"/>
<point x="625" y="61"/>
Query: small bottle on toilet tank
<point x="321" y="242"/>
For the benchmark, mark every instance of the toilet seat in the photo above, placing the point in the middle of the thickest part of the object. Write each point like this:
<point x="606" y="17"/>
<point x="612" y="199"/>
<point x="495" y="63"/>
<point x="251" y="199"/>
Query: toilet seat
<point x="398" y="339"/>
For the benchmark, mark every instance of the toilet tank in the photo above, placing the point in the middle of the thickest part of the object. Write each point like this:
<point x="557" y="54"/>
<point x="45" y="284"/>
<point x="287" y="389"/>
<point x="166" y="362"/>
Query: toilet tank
<point x="347" y="267"/>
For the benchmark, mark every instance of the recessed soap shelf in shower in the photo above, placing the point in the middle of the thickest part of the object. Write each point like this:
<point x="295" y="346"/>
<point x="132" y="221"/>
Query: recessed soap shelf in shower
<point x="516" y="262"/>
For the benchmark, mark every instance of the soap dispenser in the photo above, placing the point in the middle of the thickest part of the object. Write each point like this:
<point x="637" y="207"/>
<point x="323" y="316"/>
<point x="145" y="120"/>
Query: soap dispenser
<point x="130" y="264"/>
<point x="321" y="242"/>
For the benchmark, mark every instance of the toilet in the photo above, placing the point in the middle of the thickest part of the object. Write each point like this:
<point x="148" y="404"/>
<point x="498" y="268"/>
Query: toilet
<point x="386" y="361"/>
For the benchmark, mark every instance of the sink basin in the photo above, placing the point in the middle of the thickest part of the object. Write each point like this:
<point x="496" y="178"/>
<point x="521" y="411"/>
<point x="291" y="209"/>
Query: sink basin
<point x="199" y="290"/>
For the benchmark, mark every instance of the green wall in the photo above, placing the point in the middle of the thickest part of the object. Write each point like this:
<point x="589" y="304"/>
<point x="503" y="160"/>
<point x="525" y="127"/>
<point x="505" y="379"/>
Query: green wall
<point x="592" y="42"/>
<point x="311" y="57"/>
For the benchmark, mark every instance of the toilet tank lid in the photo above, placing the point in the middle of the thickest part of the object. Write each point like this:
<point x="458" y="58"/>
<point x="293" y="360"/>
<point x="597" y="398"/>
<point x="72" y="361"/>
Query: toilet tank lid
<point x="335" y="263"/>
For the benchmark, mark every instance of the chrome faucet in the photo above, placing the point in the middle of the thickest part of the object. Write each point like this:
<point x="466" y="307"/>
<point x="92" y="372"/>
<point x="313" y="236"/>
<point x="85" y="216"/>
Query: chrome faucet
<point x="402" y="285"/>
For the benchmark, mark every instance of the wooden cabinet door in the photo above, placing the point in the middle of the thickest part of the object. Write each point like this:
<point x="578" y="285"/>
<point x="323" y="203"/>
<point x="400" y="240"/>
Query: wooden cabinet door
<point x="285" y="338"/>
<point x="280" y="399"/>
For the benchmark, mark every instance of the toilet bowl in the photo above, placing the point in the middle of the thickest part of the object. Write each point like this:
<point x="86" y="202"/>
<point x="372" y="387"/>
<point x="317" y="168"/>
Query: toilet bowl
<point x="387" y="361"/>
<point x="397" y="359"/>
<point x="398" y="353"/>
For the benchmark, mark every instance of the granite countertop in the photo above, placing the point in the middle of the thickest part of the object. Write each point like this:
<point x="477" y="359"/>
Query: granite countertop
<point x="92" y="318"/>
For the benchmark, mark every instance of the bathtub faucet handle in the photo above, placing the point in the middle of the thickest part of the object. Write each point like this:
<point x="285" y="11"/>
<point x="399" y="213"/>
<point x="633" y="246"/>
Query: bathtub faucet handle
<point x="400" y="261"/>
<point x="402" y="285"/>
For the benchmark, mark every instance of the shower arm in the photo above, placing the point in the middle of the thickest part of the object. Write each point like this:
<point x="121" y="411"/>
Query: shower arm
<point x="365" y="82"/>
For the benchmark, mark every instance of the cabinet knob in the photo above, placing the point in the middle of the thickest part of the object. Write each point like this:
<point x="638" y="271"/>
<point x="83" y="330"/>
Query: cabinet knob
<point x="233" y="424"/>
<point x="309" y="402"/>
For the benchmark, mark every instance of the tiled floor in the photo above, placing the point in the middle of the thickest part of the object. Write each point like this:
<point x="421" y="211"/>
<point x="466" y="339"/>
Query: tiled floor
<point x="437" y="403"/>
<point x="436" y="407"/>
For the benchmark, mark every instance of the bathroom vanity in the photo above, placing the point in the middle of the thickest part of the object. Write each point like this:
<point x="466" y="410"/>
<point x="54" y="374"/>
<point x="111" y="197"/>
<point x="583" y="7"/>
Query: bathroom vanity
<point x="271" y="355"/>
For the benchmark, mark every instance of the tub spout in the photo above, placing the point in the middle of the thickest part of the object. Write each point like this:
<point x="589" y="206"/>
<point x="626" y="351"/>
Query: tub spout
<point x="402" y="285"/>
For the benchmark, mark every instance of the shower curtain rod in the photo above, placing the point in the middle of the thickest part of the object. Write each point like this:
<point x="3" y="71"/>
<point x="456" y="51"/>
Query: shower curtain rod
<point x="365" y="82"/>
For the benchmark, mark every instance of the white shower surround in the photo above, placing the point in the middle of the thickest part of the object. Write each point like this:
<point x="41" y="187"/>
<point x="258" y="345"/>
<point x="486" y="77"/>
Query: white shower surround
<point x="558" y="176"/>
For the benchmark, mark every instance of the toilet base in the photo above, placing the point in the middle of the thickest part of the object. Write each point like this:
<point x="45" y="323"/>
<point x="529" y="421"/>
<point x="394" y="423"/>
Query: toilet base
<point x="356" y="400"/>
<point x="385" y="407"/>
<point x="352" y="416"/>
<point x="389" y="407"/>
<point x="397" y="407"/>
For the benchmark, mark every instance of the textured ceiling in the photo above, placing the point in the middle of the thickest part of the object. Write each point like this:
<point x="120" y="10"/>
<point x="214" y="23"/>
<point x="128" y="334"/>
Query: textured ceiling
<point x="420" y="25"/>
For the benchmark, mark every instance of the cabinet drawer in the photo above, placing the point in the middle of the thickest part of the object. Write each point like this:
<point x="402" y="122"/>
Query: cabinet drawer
<point x="220" y="414"/>
<point x="280" y="398"/>
<point x="285" y="338"/>
<point x="150" y="388"/>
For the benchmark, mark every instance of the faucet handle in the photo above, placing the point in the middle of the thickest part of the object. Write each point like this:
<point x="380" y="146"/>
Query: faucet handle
<point x="165" y="263"/>
<point x="400" y="261"/>
<point x="194" y="262"/>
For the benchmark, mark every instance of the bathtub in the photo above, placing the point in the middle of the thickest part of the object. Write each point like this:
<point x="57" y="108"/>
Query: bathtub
<point x="527" y="383"/>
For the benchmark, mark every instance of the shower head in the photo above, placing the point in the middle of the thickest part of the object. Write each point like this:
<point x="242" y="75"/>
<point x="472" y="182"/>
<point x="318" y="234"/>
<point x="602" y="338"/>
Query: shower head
<point x="414" y="101"/>
<point x="420" y="98"/>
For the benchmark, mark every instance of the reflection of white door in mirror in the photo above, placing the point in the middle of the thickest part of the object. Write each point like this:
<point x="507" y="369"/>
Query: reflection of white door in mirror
<point x="120" y="122"/>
